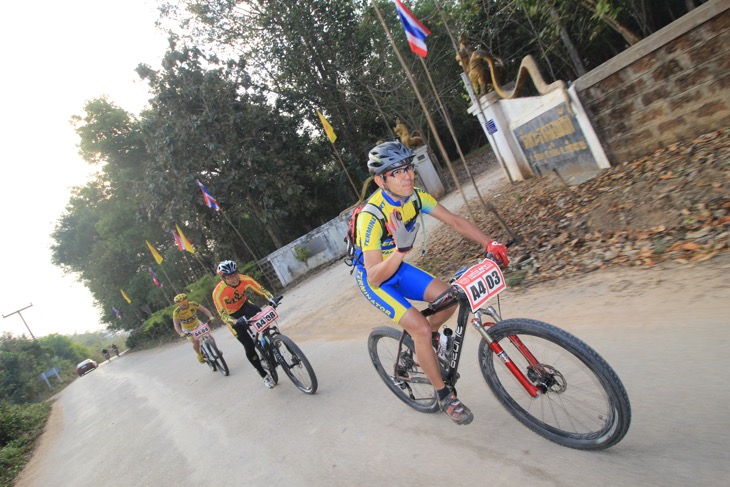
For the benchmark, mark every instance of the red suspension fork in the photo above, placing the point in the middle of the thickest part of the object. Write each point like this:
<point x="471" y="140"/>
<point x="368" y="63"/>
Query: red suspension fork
<point x="499" y="351"/>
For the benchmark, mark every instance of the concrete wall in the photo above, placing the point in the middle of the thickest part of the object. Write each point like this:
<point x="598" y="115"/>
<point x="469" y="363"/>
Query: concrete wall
<point x="325" y="244"/>
<point x="671" y="86"/>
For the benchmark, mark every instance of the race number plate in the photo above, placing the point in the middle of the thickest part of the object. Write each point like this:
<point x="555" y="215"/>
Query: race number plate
<point x="481" y="283"/>
<point x="200" y="331"/>
<point x="261" y="321"/>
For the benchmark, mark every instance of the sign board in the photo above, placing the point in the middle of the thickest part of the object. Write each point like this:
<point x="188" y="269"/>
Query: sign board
<point x="554" y="140"/>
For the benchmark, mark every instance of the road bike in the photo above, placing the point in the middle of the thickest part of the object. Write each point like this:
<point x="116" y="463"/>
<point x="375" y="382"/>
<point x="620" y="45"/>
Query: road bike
<point x="549" y="380"/>
<point x="212" y="356"/>
<point x="276" y="349"/>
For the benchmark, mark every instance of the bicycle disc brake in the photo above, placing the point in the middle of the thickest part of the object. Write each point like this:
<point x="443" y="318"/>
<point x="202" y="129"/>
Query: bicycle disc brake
<point x="547" y="378"/>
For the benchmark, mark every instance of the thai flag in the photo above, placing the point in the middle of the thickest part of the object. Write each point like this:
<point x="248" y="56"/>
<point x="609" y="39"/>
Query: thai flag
<point x="209" y="200"/>
<point x="178" y="240"/>
<point x="416" y="32"/>
<point x="154" y="278"/>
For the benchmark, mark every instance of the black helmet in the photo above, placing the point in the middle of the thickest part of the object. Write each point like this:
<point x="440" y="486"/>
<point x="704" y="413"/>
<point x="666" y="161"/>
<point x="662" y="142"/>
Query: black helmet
<point x="388" y="156"/>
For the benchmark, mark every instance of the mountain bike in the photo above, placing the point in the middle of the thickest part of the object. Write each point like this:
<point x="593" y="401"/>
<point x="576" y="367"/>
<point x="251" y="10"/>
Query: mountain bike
<point x="275" y="349"/>
<point x="549" y="380"/>
<point x="212" y="356"/>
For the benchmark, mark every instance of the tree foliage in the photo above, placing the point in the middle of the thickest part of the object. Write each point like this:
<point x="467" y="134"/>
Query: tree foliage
<point x="233" y="105"/>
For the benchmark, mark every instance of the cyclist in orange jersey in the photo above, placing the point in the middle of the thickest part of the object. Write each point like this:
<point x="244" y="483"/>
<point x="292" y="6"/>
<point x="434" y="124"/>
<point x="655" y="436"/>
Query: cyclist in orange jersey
<point x="234" y="308"/>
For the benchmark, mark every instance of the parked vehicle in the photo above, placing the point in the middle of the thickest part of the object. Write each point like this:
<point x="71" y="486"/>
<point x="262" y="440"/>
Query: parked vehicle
<point x="86" y="366"/>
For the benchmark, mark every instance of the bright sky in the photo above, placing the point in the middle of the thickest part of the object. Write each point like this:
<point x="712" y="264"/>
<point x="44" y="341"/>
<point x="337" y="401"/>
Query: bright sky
<point x="57" y="56"/>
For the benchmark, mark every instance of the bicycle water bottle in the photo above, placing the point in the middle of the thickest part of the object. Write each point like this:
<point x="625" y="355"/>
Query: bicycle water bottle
<point x="445" y="342"/>
<point x="263" y="341"/>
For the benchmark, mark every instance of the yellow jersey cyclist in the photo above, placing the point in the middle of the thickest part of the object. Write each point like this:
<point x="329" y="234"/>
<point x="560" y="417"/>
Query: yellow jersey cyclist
<point x="234" y="308"/>
<point x="388" y="282"/>
<point x="185" y="319"/>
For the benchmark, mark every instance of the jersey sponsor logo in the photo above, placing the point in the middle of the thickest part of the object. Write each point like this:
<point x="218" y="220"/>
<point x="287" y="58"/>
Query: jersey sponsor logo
<point x="369" y="230"/>
<point x="237" y="296"/>
<point x="367" y="295"/>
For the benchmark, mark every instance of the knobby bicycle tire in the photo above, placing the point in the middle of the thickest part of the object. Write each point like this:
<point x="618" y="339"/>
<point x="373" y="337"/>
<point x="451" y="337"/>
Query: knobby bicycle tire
<point x="295" y="364"/>
<point x="267" y="361"/>
<point x="208" y="356"/>
<point x="585" y="405"/>
<point x="401" y="372"/>
<point x="219" y="361"/>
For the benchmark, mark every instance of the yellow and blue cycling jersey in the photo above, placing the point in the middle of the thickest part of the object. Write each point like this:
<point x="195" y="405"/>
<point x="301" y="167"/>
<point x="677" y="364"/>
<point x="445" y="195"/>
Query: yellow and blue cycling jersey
<point x="370" y="233"/>
<point x="408" y="282"/>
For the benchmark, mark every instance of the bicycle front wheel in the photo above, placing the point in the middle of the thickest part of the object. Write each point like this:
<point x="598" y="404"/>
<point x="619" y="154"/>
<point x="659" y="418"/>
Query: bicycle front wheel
<point x="220" y="362"/>
<point x="399" y="369"/>
<point x="208" y="356"/>
<point x="295" y="364"/>
<point x="584" y="404"/>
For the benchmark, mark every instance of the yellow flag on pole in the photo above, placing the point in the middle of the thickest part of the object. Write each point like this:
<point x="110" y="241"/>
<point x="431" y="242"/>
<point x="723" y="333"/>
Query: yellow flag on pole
<point x="126" y="298"/>
<point x="155" y="253"/>
<point x="327" y="127"/>
<point x="186" y="243"/>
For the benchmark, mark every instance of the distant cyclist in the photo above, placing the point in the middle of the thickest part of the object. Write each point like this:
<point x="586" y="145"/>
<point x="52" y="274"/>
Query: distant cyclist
<point x="234" y="308"/>
<point x="185" y="319"/>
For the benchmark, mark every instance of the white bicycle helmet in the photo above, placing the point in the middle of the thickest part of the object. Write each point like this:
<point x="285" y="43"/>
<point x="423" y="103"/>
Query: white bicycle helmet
<point x="227" y="267"/>
<point x="388" y="156"/>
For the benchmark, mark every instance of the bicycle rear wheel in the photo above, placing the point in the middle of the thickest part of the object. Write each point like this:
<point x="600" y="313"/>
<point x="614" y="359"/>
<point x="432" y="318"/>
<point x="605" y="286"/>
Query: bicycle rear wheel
<point x="267" y="361"/>
<point x="400" y="370"/>
<point x="584" y="406"/>
<point x="295" y="364"/>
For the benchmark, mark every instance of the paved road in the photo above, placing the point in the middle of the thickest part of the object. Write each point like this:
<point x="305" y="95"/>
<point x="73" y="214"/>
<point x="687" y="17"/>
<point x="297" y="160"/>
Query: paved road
<point x="160" y="418"/>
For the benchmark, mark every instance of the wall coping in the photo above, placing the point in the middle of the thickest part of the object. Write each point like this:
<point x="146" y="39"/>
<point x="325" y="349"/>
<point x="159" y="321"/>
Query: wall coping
<point x="658" y="39"/>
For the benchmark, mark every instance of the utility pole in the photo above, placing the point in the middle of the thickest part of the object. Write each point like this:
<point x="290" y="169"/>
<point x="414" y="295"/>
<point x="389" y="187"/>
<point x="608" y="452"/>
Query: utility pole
<point x="48" y="360"/>
<point x="21" y="317"/>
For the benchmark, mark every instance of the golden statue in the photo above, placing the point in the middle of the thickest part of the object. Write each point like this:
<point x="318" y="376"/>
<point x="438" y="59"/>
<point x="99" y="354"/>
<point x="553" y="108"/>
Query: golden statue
<point x="409" y="139"/>
<point x="487" y="72"/>
<point x="483" y="69"/>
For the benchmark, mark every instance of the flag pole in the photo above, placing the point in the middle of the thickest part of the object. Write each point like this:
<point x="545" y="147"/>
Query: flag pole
<point x="380" y="111"/>
<point x="332" y="137"/>
<point x="470" y="88"/>
<point x="447" y="119"/>
<point x="205" y="269"/>
<point x="250" y="251"/>
<point x="168" y="279"/>
<point x="167" y="298"/>
<point x="134" y="308"/>
<point x="255" y="257"/>
<point x="337" y="154"/>
<point x="423" y="107"/>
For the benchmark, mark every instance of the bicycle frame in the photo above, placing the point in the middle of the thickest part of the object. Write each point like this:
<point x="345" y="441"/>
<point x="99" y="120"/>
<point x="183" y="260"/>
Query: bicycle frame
<point x="270" y="330"/>
<point x="456" y="296"/>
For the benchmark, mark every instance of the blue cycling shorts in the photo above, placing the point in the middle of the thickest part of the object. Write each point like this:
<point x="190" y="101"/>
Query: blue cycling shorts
<point x="392" y="296"/>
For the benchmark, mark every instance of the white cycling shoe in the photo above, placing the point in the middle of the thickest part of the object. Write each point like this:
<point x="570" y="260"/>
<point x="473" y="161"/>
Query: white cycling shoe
<point x="268" y="382"/>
